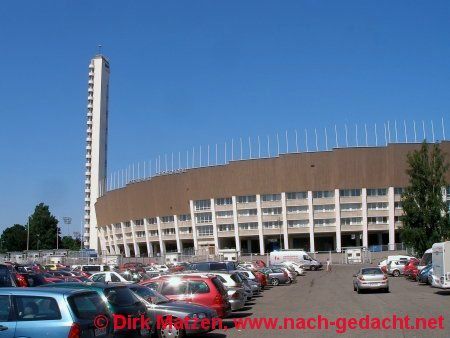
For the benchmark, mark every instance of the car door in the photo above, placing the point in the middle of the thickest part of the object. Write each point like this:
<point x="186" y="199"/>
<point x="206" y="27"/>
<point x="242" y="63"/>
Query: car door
<point x="7" y="321"/>
<point x="40" y="313"/>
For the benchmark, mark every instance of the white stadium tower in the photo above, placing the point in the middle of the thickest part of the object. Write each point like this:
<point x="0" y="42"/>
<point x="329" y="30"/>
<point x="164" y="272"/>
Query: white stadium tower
<point x="96" y="144"/>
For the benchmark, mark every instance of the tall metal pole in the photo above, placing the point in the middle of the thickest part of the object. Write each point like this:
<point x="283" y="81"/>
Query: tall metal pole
<point x="28" y="234"/>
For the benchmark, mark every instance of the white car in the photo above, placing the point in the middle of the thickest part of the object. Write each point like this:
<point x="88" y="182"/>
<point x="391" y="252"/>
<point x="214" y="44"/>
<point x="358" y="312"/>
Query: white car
<point x="298" y="269"/>
<point x="158" y="268"/>
<point x="108" y="277"/>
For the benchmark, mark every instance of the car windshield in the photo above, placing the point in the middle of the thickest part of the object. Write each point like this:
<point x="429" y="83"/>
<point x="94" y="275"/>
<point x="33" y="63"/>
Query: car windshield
<point x="88" y="305"/>
<point x="150" y="295"/>
<point x="120" y="296"/>
<point x="371" y="271"/>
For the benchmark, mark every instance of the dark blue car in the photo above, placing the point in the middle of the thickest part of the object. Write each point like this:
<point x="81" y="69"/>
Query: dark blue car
<point x="425" y="273"/>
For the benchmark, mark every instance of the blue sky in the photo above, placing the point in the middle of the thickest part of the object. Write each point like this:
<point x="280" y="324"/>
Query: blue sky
<point x="186" y="73"/>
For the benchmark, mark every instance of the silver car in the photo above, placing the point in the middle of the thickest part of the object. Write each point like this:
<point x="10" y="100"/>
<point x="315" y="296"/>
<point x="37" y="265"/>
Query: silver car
<point x="396" y="268"/>
<point x="237" y="298"/>
<point x="370" y="278"/>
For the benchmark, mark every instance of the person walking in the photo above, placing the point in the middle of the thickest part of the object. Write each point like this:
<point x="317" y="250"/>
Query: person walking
<point x="328" y="265"/>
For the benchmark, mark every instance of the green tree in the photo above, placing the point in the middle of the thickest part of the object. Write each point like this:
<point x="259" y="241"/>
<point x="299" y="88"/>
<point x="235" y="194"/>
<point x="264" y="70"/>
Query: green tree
<point x="426" y="219"/>
<point x="70" y="243"/>
<point x="43" y="227"/>
<point x="14" y="238"/>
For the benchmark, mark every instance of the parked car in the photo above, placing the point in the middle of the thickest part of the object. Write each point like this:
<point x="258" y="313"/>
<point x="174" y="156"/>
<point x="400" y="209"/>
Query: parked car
<point x="396" y="268"/>
<point x="411" y="268"/>
<point x="370" y="278"/>
<point x="254" y="285"/>
<point x="108" y="277"/>
<point x="230" y="280"/>
<point x="290" y="272"/>
<point x="205" y="290"/>
<point x="160" y="305"/>
<point x="276" y="276"/>
<point x="45" y="312"/>
<point x="120" y="300"/>
<point x="135" y="276"/>
<point x="424" y="274"/>
<point x="134" y="266"/>
<point x="295" y="266"/>
<point x="6" y="278"/>
<point x="213" y="266"/>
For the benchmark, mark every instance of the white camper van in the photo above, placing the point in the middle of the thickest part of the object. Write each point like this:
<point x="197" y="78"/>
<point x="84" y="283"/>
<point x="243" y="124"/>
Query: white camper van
<point x="441" y="264"/>
<point x="298" y="256"/>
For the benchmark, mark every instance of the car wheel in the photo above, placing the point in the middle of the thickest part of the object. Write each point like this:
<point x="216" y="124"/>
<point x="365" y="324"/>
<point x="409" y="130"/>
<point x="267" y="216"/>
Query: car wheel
<point x="354" y="287"/>
<point x="358" y="290"/>
<point x="396" y="273"/>
<point x="386" y="290"/>
<point x="170" y="331"/>
<point x="274" y="281"/>
<point x="313" y="268"/>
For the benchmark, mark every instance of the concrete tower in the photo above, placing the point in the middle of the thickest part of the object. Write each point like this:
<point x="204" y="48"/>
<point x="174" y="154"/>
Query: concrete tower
<point x="96" y="145"/>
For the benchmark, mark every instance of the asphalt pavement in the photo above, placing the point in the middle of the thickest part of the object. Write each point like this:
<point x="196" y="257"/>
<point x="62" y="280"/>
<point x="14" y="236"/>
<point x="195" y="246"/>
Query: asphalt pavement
<point x="331" y="295"/>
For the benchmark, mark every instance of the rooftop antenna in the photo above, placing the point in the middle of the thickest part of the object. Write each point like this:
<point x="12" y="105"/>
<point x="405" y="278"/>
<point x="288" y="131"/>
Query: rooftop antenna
<point x="99" y="47"/>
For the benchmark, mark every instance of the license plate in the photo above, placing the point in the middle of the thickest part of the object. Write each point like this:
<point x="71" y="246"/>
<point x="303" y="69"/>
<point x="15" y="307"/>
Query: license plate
<point x="100" y="331"/>
<point x="374" y="284"/>
<point x="144" y="332"/>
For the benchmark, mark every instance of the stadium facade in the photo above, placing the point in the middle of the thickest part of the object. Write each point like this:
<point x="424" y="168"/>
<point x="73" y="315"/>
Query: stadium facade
<point x="317" y="201"/>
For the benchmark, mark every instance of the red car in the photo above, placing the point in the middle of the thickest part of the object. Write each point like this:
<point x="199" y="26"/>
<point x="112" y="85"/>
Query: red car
<point x="411" y="271"/>
<point x="260" y="277"/>
<point x="204" y="290"/>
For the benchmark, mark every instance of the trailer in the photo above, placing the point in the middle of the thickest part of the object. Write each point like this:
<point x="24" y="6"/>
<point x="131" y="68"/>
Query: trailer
<point x="441" y="264"/>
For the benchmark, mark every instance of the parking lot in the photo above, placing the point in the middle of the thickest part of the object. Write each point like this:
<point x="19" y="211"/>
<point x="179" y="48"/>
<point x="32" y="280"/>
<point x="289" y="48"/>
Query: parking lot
<point x="331" y="295"/>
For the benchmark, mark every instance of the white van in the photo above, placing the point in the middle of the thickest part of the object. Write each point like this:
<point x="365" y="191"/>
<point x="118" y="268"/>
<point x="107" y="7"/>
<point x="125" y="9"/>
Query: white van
<point x="300" y="257"/>
<point x="441" y="264"/>
<point x="426" y="258"/>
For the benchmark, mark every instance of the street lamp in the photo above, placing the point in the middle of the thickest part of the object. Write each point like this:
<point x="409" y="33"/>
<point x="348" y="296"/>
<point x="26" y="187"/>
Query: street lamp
<point x="66" y="220"/>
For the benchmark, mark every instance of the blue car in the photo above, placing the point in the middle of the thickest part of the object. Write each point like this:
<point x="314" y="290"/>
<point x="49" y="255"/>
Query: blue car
<point x="425" y="273"/>
<point x="52" y="313"/>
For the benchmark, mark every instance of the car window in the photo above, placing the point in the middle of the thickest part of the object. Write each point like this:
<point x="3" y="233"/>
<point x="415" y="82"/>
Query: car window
<point x="99" y="278"/>
<point x="152" y="285"/>
<point x="371" y="271"/>
<point x="223" y="280"/>
<point x="87" y="305"/>
<point x="91" y="268"/>
<point x="121" y="296"/>
<point x="218" y="266"/>
<point x="30" y="308"/>
<point x="174" y="288"/>
<point x="197" y="287"/>
<point x="5" y="277"/>
<point x="106" y="268"/>
<point x="219" y="285"/>
<point x="236" y="278"/>
<point x="114" y="278"/>
<point x="277" y="270"/>
<point x="5" y="308"/>
<point x="149" y="294"/>
<point x="35" y="280"/>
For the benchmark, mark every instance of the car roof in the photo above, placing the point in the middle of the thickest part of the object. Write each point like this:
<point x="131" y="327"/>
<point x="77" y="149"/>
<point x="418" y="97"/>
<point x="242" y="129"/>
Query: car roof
<point x="87" y="285"/>
<point x="41" y="291"/>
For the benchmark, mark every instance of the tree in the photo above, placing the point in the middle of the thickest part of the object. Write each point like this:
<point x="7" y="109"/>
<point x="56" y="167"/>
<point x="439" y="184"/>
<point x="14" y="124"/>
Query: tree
<point x="43" y="227"/>
<point x="426" y="219"/>
<point x="14" y="238"/>
<point x="70" y="243"/>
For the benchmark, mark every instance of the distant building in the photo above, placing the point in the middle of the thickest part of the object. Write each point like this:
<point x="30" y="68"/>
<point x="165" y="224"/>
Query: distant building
<point x="96" y="144"/>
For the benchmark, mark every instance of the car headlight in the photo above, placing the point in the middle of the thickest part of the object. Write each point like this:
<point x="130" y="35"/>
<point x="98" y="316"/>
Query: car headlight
<point x="200" y="315"/>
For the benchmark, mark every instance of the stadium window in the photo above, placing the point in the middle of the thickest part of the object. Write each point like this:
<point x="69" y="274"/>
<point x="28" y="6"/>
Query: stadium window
<point x="297" y="195"/>
<point x="247" y="199"/>
<point x="323" y="194"/>
<point x="377" y="192"/>
<point x="202" y="205"/>
<point x="271" y="197"/>
<point x="350" y="192"/>
<point x="224" y="201"/>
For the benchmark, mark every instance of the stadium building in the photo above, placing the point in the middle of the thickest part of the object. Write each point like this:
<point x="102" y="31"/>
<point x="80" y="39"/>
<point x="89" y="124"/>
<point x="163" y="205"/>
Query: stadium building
<point x="317" y="201"/>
